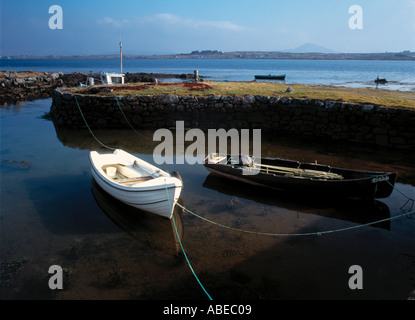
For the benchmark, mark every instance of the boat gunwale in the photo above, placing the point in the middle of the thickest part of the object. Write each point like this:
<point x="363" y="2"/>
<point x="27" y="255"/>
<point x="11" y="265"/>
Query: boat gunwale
<point x="132" y="188"/>
<point x="369" y="174"/>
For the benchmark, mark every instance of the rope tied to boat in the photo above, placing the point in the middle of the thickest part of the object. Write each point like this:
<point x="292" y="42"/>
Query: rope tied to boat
<point x="122" y="112"/>
<point x="181" y="245"/>
<point x="86" y="123"/>
<point x="409" y="200"/>
<point x="317" y="233"/>
<point x="408" y="214"/>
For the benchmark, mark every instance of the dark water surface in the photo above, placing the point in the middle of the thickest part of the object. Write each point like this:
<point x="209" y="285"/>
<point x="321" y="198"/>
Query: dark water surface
<point x="52" y="213"/>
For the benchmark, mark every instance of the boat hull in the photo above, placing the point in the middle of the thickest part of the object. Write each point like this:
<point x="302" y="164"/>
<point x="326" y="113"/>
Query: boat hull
<point x="356" y="184"/>
<point x="158" y="196"/>
<point x="270" y="77"/>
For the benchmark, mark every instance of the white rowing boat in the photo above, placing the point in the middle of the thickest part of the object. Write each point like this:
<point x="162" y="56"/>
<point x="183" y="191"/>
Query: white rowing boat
<point x="136" y="182"/>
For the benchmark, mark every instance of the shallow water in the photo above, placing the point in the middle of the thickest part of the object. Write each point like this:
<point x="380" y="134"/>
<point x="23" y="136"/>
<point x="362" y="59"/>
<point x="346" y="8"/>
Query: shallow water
<point x="52" y="213"/>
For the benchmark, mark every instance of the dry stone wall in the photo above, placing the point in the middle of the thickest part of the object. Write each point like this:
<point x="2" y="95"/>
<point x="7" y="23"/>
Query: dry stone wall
<point x="324" y="120"/>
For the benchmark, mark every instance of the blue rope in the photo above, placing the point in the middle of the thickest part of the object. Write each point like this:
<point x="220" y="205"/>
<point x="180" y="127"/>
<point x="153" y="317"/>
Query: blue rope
<point x="318" y="233"/>
<point x="90" y="128"/>
<point x="126" y="117"/>
<point x="181" y="245"/>
<point x="393" y="186"/>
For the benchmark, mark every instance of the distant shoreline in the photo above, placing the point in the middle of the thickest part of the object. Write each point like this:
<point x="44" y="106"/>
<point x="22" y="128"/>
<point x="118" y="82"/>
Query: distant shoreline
<point x="271" y="55"/>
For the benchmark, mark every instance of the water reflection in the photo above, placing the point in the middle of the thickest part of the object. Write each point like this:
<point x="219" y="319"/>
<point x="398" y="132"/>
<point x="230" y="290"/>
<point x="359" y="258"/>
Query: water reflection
<point x="354" y="158"/>
<point x="139" y="224"/>
<point x="52" y="213"/>
<point x="357" y="211"/>
<point x="125" y="139"/>
<point x="15" y="106"/>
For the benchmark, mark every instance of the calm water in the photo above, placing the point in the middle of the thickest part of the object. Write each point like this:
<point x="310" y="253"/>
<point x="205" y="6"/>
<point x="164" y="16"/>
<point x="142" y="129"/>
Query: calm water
<point x="52" y="213"/>
<point x="400" y="74"/>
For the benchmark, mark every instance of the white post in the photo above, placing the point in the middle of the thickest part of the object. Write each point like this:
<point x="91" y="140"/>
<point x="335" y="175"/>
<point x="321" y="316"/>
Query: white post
<point x="121" y="56"/>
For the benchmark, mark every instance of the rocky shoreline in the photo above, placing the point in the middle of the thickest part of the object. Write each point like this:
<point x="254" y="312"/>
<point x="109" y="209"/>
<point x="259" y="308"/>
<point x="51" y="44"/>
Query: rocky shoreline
<point x="31" y="85"/>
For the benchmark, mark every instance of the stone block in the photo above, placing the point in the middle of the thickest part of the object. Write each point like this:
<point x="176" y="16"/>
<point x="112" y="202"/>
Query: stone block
<point x="382" y="140"/>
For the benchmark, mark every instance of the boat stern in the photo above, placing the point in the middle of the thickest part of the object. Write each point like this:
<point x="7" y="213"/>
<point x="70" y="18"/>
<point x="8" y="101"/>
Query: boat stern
<point x="384" y="184"/>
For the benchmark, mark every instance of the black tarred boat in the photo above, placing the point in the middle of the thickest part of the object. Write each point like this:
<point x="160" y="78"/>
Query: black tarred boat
<point x="302" y="178"/>
<point x="380" y="81"/>
<point x="270" y="77"/>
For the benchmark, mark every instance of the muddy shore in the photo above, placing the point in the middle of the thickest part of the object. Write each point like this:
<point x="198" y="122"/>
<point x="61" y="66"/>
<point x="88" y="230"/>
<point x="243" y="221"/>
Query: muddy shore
<point x="31" y="85"/>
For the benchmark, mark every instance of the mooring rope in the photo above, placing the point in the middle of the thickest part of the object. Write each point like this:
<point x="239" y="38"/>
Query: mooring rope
<point x="408" y="199"/>
<point x="181" y="245"/>
<point x="86" y="123"/>
<point x="174" y="222"/>
<point x="318" y="233"/>
<point x="126" y="117"/>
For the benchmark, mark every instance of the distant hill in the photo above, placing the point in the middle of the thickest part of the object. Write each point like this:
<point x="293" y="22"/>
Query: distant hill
<point x="310" y="48"/>
<point x="308" y="51"/>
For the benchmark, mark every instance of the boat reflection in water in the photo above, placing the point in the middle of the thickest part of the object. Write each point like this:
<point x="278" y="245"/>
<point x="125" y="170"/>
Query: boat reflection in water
<point x="356" y="211"/>
<point x="141" y="225"/>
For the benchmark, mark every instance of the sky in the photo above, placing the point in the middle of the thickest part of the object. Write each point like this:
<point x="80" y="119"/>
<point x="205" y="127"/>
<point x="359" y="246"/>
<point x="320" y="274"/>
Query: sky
<point x="181" y="26"/>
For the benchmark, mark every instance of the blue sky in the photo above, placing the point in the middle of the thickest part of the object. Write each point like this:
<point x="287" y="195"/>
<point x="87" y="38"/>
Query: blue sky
<point x="181" y="26"/>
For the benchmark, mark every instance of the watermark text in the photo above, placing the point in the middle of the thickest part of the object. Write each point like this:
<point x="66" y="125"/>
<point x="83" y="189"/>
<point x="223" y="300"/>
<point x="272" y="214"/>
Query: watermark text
<point x="56" y="21"/>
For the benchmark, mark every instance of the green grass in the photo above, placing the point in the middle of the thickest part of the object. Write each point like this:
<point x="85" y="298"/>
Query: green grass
<point x="387" y="98"/>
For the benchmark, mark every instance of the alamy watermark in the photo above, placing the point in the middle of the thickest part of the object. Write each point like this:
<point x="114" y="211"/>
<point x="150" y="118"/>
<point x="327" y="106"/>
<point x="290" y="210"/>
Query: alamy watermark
<point x="217" y="142"/>
<point x="55" y="281"/>
<point x="56" y="21"/>
<point x="356" y="20"/>
<point x="356" y="280"/>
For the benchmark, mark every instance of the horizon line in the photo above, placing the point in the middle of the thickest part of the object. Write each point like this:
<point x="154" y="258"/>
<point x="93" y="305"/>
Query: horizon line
<point x="207" y="53"/>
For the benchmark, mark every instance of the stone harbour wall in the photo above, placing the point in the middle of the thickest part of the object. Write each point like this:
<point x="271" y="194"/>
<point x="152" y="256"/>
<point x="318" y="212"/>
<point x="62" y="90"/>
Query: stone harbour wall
<point x="30" y="85"/>
<point x="323" y="120"/>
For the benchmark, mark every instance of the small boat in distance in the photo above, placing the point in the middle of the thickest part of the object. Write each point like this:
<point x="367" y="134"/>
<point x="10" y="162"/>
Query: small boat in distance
<point x="380" y="81"/>
<point x="136" y="182"/>
<point x="301" y="178"/>
<point x="270" y="77"/>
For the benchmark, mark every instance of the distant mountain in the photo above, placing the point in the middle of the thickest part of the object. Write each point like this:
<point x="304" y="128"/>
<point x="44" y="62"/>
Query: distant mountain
<point x="310" y="48"/>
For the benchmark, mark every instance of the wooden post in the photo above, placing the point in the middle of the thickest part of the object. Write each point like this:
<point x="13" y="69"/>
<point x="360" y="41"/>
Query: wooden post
<point x="196" y="75"/>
